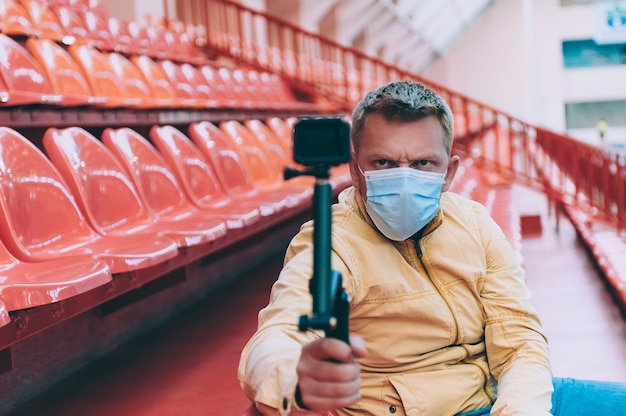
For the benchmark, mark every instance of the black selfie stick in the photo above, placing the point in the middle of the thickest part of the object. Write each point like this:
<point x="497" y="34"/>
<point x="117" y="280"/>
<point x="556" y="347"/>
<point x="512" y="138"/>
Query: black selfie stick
<point x="331" y="304"/>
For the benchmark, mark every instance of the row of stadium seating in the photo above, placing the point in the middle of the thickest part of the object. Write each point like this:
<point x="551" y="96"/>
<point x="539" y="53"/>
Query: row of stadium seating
<point x="45" y="72"/>
<point x="87" y="22"/>
<point x="90" y="208"/>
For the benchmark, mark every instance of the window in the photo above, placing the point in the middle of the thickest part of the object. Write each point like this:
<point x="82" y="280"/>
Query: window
<point x="586" y="114"/>
<point x="587" y="53"/>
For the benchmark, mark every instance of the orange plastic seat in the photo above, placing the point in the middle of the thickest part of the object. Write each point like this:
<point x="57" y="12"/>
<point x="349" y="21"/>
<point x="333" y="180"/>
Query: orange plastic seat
<point x="121" y="37"/>
<point x="182" y="87"/>
<point x="141" y="41"/>
<point x="5" y="319"/>
<point x="46" y="22"/>
<point x="233" y="80"/>
<point x="202" y="88"/>
<point x="223" y="93"/>
<point x="158" y="185"/>
<point x="107" y="196"/>
<point x="264" y="166"/>
<point x="97" y="26"/>
<point x="160" y="85"/>
<point x="201" y="182"/>
<point x="133" y="82"/>
<point x="14" y="20"/>
<point x="65" y="76"/>
<point x="72" y="24"/>
<point x="102" y="80"/>
<point x="26" y="82"/>
<point x="40" y="220"/>
<point x="27" y="285"/>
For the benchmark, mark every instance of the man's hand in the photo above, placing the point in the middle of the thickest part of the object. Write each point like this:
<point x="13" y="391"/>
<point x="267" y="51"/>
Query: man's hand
<point x="328" y="375"/>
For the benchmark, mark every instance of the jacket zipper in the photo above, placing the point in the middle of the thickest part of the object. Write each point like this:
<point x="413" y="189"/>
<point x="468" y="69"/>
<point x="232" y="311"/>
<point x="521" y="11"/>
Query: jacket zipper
<point x="418" y="250"/>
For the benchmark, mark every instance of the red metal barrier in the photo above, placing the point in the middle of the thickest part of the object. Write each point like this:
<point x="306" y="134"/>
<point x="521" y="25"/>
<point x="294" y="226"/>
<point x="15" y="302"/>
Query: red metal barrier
<point x="566" y="170"/>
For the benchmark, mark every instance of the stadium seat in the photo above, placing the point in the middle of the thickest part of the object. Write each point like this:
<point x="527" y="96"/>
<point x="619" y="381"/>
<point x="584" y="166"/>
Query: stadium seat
<point x="139" y="37"/>
<point x="225" y="96"/>
<point x="160" y="85"/>
<point x="97" y="26"/>
<point x="158" y="185"/>
<point x="200" y="178"/>
<point x="72" y="24"/>
<point x="121" y="37"/>
<point x="108" y="197"/>
<point x="40" y="220"/>
<point x="202" y="88"/>
<point x="46" y="22"/>
<point x="134" y="83"/>
<point x="103" y="81"/>
<point x="26" y="82"/>
<point x="182" y="87"/>
<point x="64" y="74"/>
<point x="231" y="169"/>
<point x="5" y="319"/>
<point x="15" y="20"/>
<point x="265" y="163"/>
<point x="27" y="285"/>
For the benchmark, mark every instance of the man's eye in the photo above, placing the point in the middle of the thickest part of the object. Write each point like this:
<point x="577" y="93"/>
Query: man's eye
<point x="421" y="163"/>
<point x="382" y="162"/>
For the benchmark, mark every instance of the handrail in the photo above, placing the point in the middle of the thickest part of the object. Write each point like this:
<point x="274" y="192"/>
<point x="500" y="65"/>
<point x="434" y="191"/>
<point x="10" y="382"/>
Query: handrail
<point x="566" y="170"/>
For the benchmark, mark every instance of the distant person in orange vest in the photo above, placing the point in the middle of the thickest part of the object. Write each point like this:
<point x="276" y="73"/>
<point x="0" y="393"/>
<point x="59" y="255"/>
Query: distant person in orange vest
<point x="602" y="126"/>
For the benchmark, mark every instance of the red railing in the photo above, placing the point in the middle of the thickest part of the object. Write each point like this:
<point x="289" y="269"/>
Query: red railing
<point x="566" y="170"/>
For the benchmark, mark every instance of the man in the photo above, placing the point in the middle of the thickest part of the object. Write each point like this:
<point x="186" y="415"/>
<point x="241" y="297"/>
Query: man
<point x="441" y="321"/>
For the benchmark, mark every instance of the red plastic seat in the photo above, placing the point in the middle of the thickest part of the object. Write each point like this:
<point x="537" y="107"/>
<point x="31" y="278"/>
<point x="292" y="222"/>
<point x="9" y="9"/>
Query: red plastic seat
<point x="133" y="82"/>
<point x="264" y="165"/>
<point x="202" y="88"/>
<point x="40" y="220"/>
<point x="5" y="319"/>
<point x="160" y="85"/>
<point x="72" y="24"/>
<point x="121" y="36"/>
<point x="27" y="285"/>
<point x="46" y="22"/>
<point x="102" y="80"/>
<point x="182" y="87"/>
<point x="108" y="197"/>
<point x="25" y="80"/>
<point x="142" y="44"/>
<point x="158" y="185"/>
<point x="97" y="26"/>
<point x="223" y="93"/>
<point x="14" y="20"/>
<point x="65" y="76"/>
<point x="199" y="179"/>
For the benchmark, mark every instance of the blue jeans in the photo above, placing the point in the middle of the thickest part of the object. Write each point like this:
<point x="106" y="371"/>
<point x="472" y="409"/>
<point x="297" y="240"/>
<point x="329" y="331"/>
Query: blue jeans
<point x="574" y="397"/>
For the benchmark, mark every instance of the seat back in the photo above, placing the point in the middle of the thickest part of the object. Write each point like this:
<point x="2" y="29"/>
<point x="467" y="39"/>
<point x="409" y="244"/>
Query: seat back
<point x="283" y="131"/>
<point x="25" y="80"/>
<point x="15" y="20"/>
<point x="37" y="209"/>
<point x="223" y="93"/>
<point x="102" y="187"/>
<point x="272" y="144"/>
<point x="227" y="162"/>
<point x="103" y="81"/>
<point x="45" y="21"/>
<point x="253" y="157"/>
<point x="121" y="37"/>
<point x="201" y="87"/>
<point x="154" y="179"/>
<point x="97" y="26"/>
<point x="160" y="85"/>
<point x="133" y="81"/>
<point x="72" y="24"/>
<point x="194" y="171"/>
<point x="181" y="86"/>
<point x="65" y="76"/>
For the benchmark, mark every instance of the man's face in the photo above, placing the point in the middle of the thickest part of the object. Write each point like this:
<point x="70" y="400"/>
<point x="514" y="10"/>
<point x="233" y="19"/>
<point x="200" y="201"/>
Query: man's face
<point x="389" y="144"/>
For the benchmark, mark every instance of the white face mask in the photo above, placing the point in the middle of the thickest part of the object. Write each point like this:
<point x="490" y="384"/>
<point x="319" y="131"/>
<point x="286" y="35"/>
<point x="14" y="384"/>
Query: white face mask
<point x="401" y="201"/>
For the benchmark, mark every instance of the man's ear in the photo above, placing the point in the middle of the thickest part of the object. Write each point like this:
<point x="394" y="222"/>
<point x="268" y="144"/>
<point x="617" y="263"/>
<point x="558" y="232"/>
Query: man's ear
<point x="453" y="165"/>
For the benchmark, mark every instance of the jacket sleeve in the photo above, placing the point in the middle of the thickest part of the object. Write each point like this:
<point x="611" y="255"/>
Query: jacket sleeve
<point x="517" y="349"/>
<point x="267" y="368"/>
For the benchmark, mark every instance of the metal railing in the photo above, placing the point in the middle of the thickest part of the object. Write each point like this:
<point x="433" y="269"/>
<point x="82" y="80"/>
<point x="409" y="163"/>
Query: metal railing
<point x="566" y="170"/>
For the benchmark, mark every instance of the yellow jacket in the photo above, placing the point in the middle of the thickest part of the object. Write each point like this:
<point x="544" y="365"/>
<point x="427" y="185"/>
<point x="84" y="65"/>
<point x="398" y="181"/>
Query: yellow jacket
<point x="447" y="322"/>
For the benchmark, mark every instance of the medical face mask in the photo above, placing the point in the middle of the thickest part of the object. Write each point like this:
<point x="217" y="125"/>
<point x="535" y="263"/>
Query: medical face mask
<point x="401" y="201"/>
